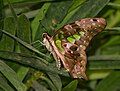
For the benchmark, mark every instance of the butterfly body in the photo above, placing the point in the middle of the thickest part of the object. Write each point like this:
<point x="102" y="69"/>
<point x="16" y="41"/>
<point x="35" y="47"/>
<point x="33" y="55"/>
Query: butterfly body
<point x="69" y="43"/>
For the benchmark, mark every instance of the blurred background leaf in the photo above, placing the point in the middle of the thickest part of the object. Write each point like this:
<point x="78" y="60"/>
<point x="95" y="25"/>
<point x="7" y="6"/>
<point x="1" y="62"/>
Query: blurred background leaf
<point x="112" y="82"/>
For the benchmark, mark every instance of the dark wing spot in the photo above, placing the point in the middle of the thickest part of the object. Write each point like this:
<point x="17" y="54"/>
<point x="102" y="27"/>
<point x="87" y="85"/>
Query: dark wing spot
<point x="94" y="19"/>
<point x="64" y="45"/>
<point x="68" y="51"/>
<point x="73" y="48"/>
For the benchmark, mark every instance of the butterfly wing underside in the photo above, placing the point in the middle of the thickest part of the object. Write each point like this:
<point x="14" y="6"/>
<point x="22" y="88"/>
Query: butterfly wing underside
<point x="69" y="43"/>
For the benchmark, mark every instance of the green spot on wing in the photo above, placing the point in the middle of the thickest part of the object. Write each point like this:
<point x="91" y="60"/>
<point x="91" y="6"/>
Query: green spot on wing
<point x="71" y="39"/>
<point x="58" y="44"/>
<point x="77" y="37"/>
<point x="81" y="33"/>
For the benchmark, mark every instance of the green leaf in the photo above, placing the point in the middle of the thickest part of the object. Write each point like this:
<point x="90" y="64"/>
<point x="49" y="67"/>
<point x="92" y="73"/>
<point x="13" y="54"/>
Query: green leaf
<point x="98" y="74"/>
<point x="39" y="87"/>
<point x="56" y="80"/>
<point x="112" y="46"/>
<point x="113" y="41"/>
<point x="72" y="10"/>
<point x="116" y="18"/>
<point x="25" y="44"/>
<point x="6" y="42"/>
<point x="52" y="17"/>
<point x="71" y="86"/>
<point x="115" y="5"/>
<point x="4" y="85"/>
<point x="13" y="13"/>
<point x="114" y="29"/>
<point x="11" y="76"/>
<point x="24" y="32"/>
<point x="38" y="17"/>
<point x="22" y="72"/>
<point x="29" y="1"/>
<point x="53" y="88"/>
<point x="76" y="3"/>
<point x="1" y="16"/>
<point x="110" y="83"/>
<point x="16" y="47"/>
<point x="89" y="9"/>
<point x="31" y="61"/>
<point x="104" y="62"/>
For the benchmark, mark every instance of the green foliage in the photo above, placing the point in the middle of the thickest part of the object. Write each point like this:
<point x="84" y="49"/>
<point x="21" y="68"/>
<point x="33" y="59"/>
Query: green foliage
<point x="11" y="76"/>
<point x="26" y="65"/>
<point x="71" y="86"/>
<point x="112" y="82"/>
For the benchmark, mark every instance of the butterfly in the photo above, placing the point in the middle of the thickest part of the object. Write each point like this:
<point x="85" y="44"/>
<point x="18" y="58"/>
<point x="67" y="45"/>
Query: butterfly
<point x="69" y="44"/>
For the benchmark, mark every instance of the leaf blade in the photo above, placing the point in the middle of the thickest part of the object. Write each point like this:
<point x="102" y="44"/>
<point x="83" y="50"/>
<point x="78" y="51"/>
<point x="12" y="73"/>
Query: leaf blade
<point x="56" y="80"/>
<point x="11" y="76"/>
<point x="71" y="86"/>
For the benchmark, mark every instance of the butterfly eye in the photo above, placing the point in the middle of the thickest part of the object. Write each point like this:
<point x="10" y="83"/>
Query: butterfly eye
<point x="94" y="19"/>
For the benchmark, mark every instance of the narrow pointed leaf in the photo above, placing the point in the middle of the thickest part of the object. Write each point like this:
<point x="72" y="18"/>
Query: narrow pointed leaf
<point x="71" y="86"/>
<point x="31" y="61"/>
<point x="41" y="14"/>
<point x="4" y="85"/>
<point x="24" y="44"/>
<point x="11" y="76"/>
<point x="92" y="8"/>
<point x="56" y="80"/>
<point x="6" y="42"/>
